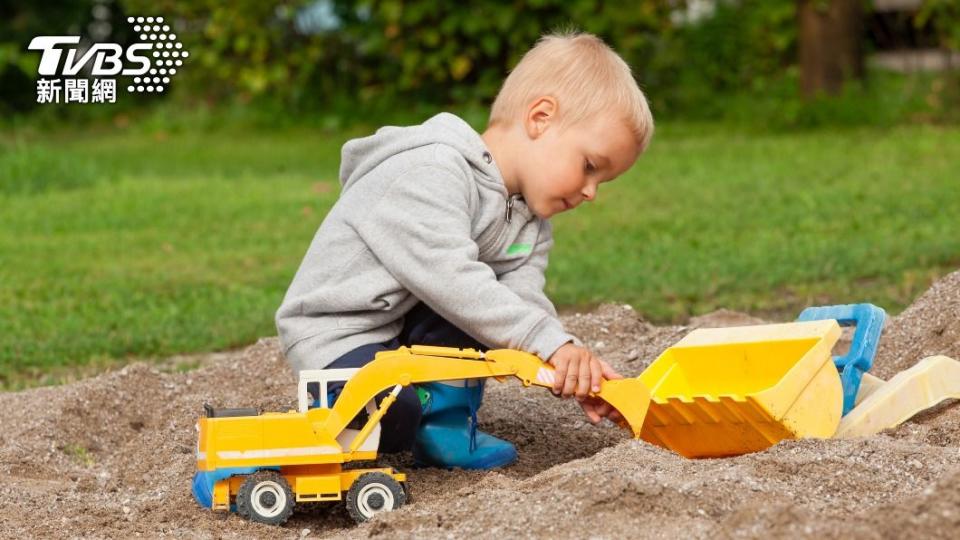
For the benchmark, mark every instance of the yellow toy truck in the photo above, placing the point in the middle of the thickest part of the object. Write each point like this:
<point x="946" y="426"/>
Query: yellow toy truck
<point x="261" y="464"/>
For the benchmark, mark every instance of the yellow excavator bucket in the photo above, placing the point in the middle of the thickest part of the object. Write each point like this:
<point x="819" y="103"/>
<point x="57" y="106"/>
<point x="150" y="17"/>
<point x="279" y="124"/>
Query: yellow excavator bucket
<point x="731" y="391"/>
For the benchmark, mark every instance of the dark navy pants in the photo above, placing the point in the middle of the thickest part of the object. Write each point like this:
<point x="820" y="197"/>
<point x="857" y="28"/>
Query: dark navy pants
<point x="421" y="326"/>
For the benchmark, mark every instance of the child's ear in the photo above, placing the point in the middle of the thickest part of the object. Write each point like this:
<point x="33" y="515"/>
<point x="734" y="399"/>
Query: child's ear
<point x="540" y="115"/>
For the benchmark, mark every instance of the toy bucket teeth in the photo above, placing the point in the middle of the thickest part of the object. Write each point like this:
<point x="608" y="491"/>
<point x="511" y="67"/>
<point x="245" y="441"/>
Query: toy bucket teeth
<point x="730" y="391"/>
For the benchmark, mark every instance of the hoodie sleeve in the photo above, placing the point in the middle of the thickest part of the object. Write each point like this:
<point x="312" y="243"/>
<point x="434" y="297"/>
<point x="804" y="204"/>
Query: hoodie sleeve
<point x="420" y="231"/>
<point x="528" y="280"/>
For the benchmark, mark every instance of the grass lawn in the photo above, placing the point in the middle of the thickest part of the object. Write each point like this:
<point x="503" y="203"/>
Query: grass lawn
<point x="130" y="243"/>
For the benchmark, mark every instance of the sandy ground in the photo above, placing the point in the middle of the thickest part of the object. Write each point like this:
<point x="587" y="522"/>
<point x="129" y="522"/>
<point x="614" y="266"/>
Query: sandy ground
<point x="112" y="456"/>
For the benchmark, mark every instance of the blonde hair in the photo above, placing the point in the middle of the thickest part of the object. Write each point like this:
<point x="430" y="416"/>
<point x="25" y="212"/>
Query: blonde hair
<point x="584" y="75"/>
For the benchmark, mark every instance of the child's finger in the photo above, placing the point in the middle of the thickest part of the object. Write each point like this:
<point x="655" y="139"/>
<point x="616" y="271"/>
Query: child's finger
<point x="603" y="408"/>
<point x="607" y="411"/>
<point x="596" y="375"/>
<point x="559" y="373"/>
<point x="588" y="407"/>
<point x="570" y="381"/>
<point x="583" y="381"/>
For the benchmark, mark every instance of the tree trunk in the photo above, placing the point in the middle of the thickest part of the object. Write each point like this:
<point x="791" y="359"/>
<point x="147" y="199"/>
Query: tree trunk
<point x="831" y="50"/>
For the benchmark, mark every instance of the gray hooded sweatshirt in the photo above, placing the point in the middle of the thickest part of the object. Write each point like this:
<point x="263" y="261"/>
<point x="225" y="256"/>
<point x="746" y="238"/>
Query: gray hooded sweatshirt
<point x="423" y="215"/>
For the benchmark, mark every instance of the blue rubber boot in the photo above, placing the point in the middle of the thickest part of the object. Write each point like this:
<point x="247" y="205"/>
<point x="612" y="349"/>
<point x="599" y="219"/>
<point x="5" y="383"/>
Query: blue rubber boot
<point x="448" y="435"/>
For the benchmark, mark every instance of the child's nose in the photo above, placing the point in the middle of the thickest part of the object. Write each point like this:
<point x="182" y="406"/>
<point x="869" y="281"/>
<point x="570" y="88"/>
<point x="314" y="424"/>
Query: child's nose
<point x="589" y="192"/>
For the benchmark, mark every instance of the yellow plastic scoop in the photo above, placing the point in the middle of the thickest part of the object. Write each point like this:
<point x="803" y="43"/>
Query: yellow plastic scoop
<point x="730" y="391"/>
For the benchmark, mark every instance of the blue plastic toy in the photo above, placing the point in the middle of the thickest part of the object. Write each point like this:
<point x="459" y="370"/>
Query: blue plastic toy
<point x="868" y="320"/>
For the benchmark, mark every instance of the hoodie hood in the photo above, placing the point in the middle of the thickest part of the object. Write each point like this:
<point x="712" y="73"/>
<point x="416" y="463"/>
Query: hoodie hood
<point x="360" y="156"/>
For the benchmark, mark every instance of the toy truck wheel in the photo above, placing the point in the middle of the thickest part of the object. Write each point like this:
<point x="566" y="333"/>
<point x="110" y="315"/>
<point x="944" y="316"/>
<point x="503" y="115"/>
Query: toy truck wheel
<point x="372" y="494"/>
<point x="265" y="497"/>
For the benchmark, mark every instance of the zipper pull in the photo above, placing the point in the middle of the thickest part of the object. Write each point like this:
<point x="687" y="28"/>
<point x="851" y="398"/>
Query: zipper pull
<point x="510" y="200"/>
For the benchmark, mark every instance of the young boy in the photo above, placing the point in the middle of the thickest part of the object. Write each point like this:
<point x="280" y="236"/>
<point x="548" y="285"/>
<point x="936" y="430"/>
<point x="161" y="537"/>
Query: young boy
<point x="441" y="236"/>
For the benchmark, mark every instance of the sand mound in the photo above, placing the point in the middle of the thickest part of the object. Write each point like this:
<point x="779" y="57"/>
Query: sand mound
<point x="112" y="456"/>
<point x="635" y="490"/>
<point x="930" y="326"/>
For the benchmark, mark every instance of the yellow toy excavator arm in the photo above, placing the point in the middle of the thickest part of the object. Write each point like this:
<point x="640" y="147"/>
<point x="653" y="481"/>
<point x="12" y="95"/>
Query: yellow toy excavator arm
<point x="420" y="364"/>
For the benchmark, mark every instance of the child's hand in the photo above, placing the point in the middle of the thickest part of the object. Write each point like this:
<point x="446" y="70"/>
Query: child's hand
<point x="597" y="409"/>
<point x="579" y="372"/>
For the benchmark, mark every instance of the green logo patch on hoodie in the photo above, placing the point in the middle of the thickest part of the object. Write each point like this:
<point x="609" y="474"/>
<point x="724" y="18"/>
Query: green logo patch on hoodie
<point x="519" y="249"/>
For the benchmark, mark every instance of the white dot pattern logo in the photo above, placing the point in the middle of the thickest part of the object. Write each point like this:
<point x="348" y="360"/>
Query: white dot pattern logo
<point x="160" y="36"/>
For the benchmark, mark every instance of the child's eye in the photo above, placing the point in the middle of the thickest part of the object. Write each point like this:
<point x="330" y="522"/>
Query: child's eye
<point x="587" y="166"/>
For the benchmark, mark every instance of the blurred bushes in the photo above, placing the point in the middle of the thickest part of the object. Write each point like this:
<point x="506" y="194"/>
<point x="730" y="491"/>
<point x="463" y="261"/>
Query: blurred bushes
<point x="365" y="57"/>
<point x="742" y="48"/>
<point x="310" y="55"/>
<point x="19" y="23"/>
<point x="345" y="61"/>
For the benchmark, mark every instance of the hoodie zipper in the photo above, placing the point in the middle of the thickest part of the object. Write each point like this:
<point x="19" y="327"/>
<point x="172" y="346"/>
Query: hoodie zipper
<point x="498" y="235"/>
<point x="510" y="200"/>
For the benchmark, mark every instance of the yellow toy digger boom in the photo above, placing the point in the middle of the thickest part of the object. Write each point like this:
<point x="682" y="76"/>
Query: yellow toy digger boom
<point x="261" y="463"/>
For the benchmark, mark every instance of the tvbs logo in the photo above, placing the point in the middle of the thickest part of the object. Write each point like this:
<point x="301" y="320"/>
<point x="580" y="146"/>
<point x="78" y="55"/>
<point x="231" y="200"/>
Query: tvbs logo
<point x="151" y="63"/>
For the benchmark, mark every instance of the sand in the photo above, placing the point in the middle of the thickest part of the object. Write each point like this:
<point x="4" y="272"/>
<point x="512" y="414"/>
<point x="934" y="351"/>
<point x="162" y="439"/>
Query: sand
<point x="112" y="456"/>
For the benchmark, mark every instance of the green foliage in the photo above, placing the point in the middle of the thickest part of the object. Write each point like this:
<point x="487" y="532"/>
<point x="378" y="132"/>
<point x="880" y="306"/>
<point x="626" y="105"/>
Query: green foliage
<point x="339" y="62"/>
<point x="379" y="53"/>
<point x="383" y="52"/>
<point x="446" y="52"/>
<point x="744" y="47"/>
<point x="374" y="55"/>
<point x="240" y="50"/>
<point x="945" y="17"/>
<point x="20" y="21"/>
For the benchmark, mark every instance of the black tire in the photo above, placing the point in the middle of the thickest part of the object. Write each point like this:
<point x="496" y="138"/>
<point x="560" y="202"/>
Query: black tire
<point x="265" y="497"/>
<point x="372" y="493"/>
